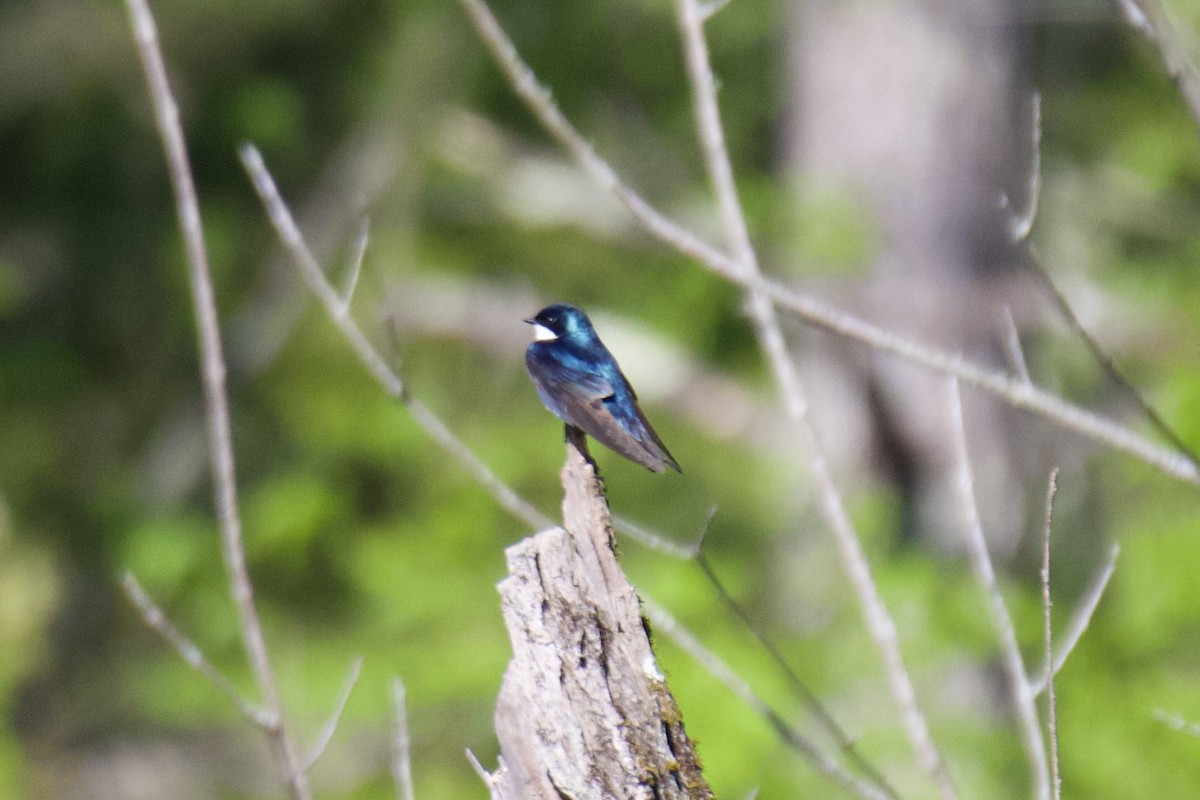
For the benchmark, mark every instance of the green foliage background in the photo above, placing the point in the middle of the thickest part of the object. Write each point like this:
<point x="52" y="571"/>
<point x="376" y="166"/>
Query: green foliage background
<point x="363" y="539"/>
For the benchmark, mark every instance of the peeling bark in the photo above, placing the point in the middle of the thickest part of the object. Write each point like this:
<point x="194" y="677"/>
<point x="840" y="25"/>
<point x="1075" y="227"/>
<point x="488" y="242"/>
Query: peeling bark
<point x="583" y="711"/>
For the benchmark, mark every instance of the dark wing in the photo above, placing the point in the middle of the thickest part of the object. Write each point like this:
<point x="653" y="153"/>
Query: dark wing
<point x="604" y="409"/>
<point x="598" y="421"/>
<point x="648" y="439"/>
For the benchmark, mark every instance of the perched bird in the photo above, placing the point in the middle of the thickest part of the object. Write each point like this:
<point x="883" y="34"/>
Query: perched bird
<point x="580" y="382"/>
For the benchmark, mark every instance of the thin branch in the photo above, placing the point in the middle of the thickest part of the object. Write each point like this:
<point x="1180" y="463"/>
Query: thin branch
<point x="1081" y="618"/>
<point x="310" y="270"/>
<point x="807" y="696"/>
<point x="166" y="114"/>
<point x="326" y="734"/>
<point x="694" y="552"/>
<point x="1014" y="391"/>
<point x="716" y="155"/>
<point x="1150" y="19"/>
<point x="1176" y="722"/>
<point x="489" y="780"/>
<point x="156" y="619"/>
<point x="1106" y="362"/>
<point x="525" y="83"/>
<point x="766" y="324"/>
<point x="821" y="761"/>
<point x="293" y="241"/>
<point x="710" y="9"/>
<point x="1012" y="346"/>
<point x="1048" y="673"/>
<point x="697" y="546"/>
<point x="1010" y="651"/>
<point x="401" y="759"/>
<point x="360" y="252"/>
<point x="652" y="540"/>
<point x="1021" y="222"/>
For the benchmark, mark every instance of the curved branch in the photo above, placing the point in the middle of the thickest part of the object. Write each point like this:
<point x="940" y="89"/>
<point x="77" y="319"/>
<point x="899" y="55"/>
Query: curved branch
<point x="878" y="619"/>
<point x="166" y="115"/>
<point x="1012" y="390"/>
<point x="338" y="311"/>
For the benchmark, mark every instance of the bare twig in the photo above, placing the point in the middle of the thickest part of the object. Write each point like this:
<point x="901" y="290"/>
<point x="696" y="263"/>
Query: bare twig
<point x="1156" y="27"/>
<point x="695" y="552"/>
<point x="697" y="546"/>
<point x="806" y="695"/>
<point x="156" y="620"/>
<point x="360" y="251"/>
<point x="1176" y="722"/>
<point x="525" y="83"/>
<point x="489" y="780"/>
<point x="666" y="624"/>
<point x="326" y="734"/>
<point x="770" y="337"/>
<point x="1014" y="391"/>
<point x="401" y="760"/>
<point x="1051" y="703"/>
<point x="1106" y="362"/>
<point x="1012" y="346"/>
<point x="293" y="241"/>
<point x="1010" y="651"/>
<point x="1080" y="619"/>
<point x="166" y="114"/>
<point x="1150" y="19"/>
<point x="652" y="540"/>
<point x="710" y="9"/>
<point x="1021" y="222"/>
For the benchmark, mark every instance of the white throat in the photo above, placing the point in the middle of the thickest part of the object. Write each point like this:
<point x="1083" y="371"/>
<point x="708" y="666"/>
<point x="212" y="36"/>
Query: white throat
<point x="543" y="334"/>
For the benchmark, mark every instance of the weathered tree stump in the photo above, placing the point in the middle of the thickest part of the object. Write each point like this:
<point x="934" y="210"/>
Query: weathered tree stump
<point x="583" y="711"/>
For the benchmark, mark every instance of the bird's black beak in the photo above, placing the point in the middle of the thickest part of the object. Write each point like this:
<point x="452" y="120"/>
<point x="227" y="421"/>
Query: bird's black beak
<point x="530" y="321"/>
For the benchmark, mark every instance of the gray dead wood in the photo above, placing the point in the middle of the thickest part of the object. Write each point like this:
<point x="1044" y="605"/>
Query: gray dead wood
<point x="583" y="711"/>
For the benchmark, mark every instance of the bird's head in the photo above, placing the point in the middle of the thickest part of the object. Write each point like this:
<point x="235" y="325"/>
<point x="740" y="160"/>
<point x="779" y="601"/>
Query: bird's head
<point x="561" y="321"/>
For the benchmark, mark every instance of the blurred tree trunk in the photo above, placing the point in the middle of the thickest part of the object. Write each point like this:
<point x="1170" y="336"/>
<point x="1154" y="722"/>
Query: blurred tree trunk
<point x="916" y="110"/>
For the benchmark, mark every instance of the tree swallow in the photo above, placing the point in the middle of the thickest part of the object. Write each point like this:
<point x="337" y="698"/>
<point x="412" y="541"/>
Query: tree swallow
<point x="579" y="381"/>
